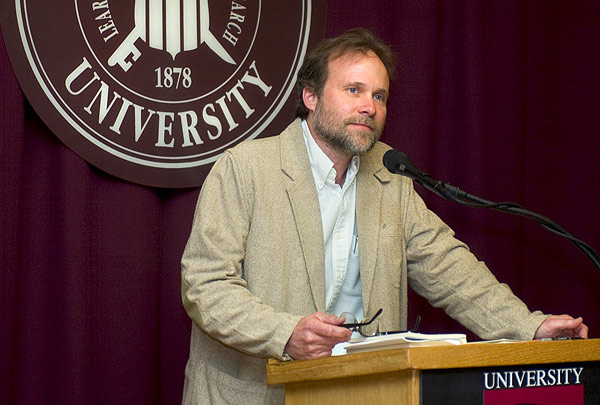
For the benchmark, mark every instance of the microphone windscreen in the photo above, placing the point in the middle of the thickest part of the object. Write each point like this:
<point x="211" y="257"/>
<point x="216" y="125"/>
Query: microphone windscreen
<point x="397" y="162"/>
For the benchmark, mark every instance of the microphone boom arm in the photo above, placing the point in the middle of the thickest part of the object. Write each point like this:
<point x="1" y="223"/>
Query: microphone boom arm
<point x="397" y="162"/>
<point x="470" y="200"/>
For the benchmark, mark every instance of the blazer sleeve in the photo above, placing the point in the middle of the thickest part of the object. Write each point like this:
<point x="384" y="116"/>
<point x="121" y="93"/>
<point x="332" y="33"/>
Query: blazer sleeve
<point x="444" y="271"/>
<point x="214" y="292"/>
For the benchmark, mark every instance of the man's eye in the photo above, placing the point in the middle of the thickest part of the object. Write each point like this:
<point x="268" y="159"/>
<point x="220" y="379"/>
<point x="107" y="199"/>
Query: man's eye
<point x="379" y="97"/>
<point x="353" y="90"/>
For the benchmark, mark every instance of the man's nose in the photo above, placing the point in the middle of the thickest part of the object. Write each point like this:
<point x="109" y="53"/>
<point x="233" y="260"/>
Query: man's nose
<point x="367" y="105"/>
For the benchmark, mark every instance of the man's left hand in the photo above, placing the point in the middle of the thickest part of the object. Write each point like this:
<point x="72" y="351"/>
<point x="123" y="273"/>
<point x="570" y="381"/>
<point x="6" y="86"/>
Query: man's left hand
<point x="562" y="326"/>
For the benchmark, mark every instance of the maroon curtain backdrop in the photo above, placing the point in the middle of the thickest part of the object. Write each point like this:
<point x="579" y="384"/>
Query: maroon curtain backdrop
<point x="499" y="97"/>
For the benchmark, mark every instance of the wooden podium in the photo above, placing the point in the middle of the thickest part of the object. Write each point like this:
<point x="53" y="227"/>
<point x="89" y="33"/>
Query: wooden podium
<point x="396" y="376"/>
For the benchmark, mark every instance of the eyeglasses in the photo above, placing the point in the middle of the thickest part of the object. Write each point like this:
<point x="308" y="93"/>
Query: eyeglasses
<point x="353" y="325"/>
<point x="358" y="326"/>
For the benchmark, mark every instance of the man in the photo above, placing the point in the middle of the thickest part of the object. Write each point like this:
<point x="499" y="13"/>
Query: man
<point x="293" y="230"/>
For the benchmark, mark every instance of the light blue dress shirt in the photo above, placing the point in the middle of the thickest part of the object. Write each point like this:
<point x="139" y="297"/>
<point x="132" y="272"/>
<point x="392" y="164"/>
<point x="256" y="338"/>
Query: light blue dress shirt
<point x="343" y="290"/>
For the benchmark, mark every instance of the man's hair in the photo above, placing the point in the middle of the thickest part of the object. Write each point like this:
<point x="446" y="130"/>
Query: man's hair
<point x="314" y="71"/>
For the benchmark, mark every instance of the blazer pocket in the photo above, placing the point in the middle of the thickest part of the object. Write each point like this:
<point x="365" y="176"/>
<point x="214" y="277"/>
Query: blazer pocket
<point x="224" y="388"/>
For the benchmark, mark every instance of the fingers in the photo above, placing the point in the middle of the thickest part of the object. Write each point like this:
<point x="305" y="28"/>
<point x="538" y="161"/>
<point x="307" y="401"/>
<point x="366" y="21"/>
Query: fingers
<point x="324" y="329"/>
<point x="330" y="318"/>
<point x="562" y="326"/>
<point x="565" y="324"/>
<point x="315" y="335"/>
<point x="329" y="326"/>
<point x="564" y="317"/>
<point x="581" y="330"/>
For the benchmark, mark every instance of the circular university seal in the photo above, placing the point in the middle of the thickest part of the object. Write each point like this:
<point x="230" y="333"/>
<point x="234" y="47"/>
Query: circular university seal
<point x="153" y="91"/>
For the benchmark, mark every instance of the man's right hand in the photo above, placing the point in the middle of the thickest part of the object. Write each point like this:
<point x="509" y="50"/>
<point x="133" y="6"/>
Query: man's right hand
<point x="315" y="335"/>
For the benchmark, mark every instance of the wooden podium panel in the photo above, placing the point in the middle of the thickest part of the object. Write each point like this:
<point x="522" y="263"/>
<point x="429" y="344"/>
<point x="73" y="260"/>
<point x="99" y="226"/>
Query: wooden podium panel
<point x="401" y="386"/>
<point x="393" y="376"/>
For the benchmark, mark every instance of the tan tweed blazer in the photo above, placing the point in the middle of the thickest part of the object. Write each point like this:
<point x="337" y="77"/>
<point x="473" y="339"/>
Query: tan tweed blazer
<point x="254" y="265"/>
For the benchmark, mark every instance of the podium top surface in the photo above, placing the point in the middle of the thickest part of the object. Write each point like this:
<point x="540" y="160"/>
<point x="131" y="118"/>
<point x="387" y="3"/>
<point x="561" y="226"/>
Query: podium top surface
<point x="470" y="355"/>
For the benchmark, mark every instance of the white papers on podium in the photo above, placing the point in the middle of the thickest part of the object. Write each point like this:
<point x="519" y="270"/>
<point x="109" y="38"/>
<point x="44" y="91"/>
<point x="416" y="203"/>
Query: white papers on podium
<point x="403" y="340"/>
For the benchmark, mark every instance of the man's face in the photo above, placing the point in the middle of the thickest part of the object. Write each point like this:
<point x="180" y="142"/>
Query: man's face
<point x="350" y="113"/>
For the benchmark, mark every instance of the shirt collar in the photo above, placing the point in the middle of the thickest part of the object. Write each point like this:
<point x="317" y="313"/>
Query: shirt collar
<point x="321" y="165"/>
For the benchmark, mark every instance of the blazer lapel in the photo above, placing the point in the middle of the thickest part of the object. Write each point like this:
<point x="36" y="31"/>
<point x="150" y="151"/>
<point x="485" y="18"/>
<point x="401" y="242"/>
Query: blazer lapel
<point x="305" y="206"/>
<point x="369" y="194"/>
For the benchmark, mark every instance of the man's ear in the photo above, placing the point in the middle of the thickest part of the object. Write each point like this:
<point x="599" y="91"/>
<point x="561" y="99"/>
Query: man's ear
<point x="309" y="97"/>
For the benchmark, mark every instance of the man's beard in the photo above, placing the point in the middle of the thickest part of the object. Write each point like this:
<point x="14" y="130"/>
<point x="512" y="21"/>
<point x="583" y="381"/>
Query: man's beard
<point x="339" y="137"/>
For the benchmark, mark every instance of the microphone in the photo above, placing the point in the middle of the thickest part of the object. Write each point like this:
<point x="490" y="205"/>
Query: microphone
<point x="398" y="163"/>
